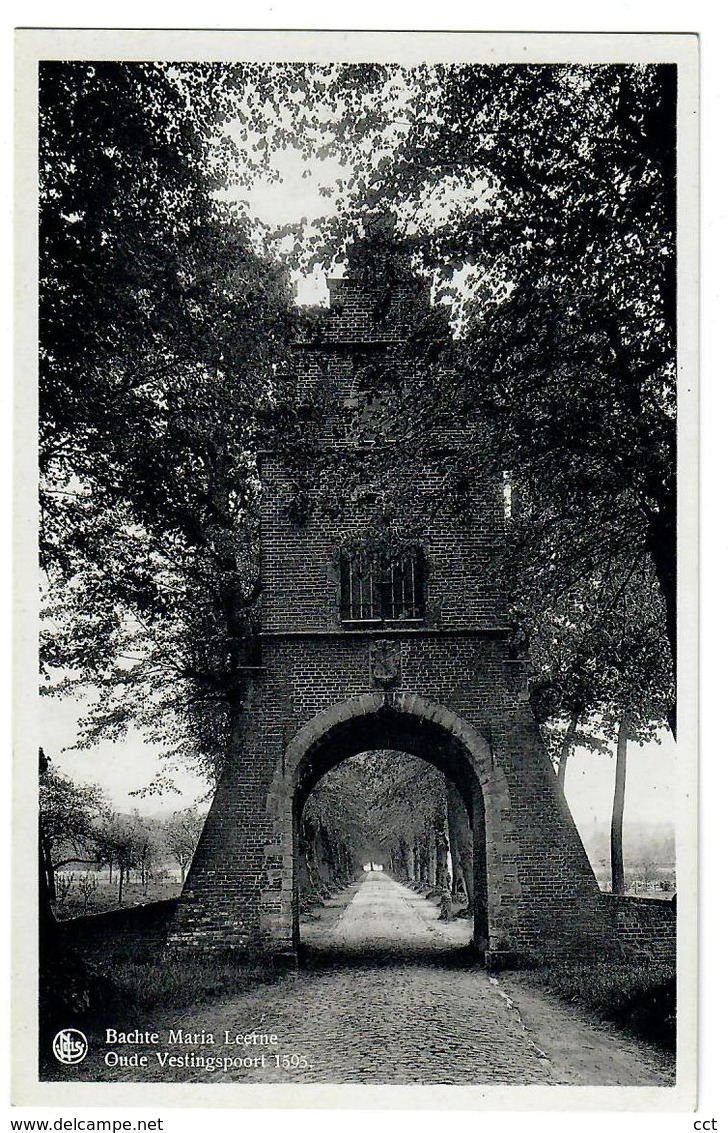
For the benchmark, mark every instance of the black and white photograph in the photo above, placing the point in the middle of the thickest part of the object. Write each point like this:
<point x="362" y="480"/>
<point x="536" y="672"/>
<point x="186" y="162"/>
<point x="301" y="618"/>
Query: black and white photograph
<point x="358" y="740"/>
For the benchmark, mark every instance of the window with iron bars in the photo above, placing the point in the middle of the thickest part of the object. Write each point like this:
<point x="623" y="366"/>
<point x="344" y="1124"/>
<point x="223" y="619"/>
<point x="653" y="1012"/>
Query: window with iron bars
<point x="380" y="589"/>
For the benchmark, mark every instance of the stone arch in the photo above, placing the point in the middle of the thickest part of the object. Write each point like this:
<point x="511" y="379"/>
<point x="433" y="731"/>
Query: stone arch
<point x="407" y="722"/>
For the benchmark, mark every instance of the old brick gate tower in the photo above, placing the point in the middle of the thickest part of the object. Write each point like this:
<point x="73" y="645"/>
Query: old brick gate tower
<point x="409" y="655"/>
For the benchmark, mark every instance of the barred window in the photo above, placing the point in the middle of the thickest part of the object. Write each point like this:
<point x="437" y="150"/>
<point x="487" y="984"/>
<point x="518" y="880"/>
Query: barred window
<point x="380" y="589"/>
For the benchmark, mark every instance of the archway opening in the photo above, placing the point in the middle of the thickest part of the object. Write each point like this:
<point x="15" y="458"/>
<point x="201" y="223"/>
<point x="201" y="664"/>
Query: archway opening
<point x="390" y="789"/>
<point x="375" y="819"/>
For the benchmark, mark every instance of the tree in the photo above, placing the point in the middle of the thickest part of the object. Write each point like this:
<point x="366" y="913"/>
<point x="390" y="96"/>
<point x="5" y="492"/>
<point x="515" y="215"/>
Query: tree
<point x="335" y="833"/>
<point x="460" y="840"/>
<point x="551" y="189"/>
<point x="127" y="842"/>
<point x="119" y="847"/>
<point x="384" y="806"/>
<point x="88" y="884"/>
<point x="147" y="838"/>
<point x="570" y="343"/>
<point x="601" y="657"/>
<point x="407" y="809"/>
<point x="161" y="330"/>
<point x="64" y="885"/>
<point x="160" y="335"/>
<point x="181" y="833"/>
<point x="637" y="700"/>
<point x="71" y="818"/>
<point x="68" y="986"/>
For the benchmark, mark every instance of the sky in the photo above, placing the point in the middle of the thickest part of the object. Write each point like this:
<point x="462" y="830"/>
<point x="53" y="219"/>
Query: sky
<point x="277" y="203"/>
<point x="119" y="768"/>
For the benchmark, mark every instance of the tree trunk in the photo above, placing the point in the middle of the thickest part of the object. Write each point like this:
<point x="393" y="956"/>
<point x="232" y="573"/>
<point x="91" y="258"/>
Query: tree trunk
<point x="68" y="986"/>
<point x="420" y="861"/>
<point x="302" y="870"/>
<point x="121" y="881"/>
<point x="565" y="752"/>
<point x="424" y="861"/>
<point x="457" y="882"/>
<point x="46" y="862"/>
<point x="341" y="875"/>
<point x="50" y="952"/>
<point x="461" y="843"/>
<point x="326" y="855"/>
<point x="662" y="545"/>
<point x="409" y="861"/>
<point x="431" y="859"/>
<point x="620" y="780"/>
<point x="441" y="876"/>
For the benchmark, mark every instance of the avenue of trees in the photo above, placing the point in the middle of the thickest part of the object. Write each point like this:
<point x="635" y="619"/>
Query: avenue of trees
<point x="542" y="199"/>
<point x="389" y="809"/>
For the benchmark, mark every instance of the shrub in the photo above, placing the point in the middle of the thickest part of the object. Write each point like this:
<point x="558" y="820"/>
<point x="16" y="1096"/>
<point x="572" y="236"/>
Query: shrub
<point x="126" y="949"/>
<point x="167" y="981"/>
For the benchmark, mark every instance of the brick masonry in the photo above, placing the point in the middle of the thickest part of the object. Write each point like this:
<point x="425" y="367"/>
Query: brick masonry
<point x="644" y="928"/>
<point x="455" y="699"/>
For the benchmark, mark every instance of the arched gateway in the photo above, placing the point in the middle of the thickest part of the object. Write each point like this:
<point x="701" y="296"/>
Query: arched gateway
<point x="405" y="722"/>
<point x="366" y="649"/>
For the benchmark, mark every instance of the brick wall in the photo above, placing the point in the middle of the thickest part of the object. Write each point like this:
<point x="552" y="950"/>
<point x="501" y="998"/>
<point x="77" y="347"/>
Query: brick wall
<point x="541" y="894"/>
<point x="454" y="699"/>
<point x="364" y="312"/>
<point x="299" y="562"/>
<point x="644" y="928"/>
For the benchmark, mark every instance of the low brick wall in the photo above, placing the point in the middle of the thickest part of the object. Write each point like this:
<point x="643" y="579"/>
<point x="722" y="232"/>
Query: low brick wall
<point x="130" y="927"/>
<point x="644" y="928"/>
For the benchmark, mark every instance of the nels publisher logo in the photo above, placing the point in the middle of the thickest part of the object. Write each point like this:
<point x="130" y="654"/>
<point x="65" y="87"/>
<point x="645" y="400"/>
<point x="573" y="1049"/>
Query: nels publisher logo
<point x="70" y="1046"/>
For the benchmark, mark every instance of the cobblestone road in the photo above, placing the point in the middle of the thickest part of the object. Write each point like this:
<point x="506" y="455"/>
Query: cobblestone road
<point x="388" y="994"/>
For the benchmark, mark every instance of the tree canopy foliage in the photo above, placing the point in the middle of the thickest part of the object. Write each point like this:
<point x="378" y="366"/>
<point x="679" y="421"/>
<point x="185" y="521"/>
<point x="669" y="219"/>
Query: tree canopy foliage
<point x="544" y="196"/>
<point x="541" y="198"/>
<point x="387" y="808"/>
<point x="161" y="329"/>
